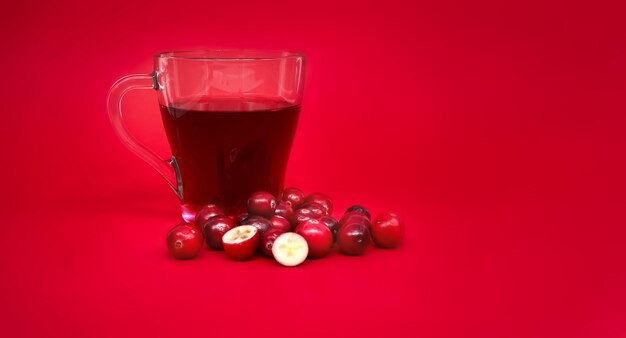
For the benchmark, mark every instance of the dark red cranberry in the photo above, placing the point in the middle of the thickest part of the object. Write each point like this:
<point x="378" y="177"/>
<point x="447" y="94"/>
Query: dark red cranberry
<point x="318" y="237"/>
<point x="215" y="228"/>
<point x="353" y="238"/>
<point x="262" y="203"/>
<point x="387" y="230"/>
<point x="240" y="217"/>
<point x="292" y="196"/>
<point x="317" y="209"/>
<point x="301" y="215"/>
<point x="361" y="209"/>
<point x="280" y="222"/>
<point x="267" y="240"/>
<point x="262" y="224"/>
<point x="207" y="212"/>
<point x="332" y="224"/>
<point x="354" y="217"/>
<point x="322" y="199"/>
<point x="184" y="241"/>
<point x="283" y="209"/>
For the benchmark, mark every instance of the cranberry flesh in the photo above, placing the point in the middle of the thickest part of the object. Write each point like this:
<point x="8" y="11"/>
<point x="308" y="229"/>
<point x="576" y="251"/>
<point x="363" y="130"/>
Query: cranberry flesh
<point x="240" y="243"/>
<point x="262" y="224"/>
<point x="283" y="209"/>
<point x="262" y="203"/>
<point x="207" y="212"/>
<point x="322" y="199"/>
<point x="387" y="230"/>
<point x="318" y="237"/>
<point x="332" y="224"/>
<point x="353" y="238"/>
<point x="215" y="228"/>
<point x="354" y="217"/>
<point x="292" y="196"/>
<point x="184" y="241"/>
<point x="361" y="209"/>
<point x="279" y="222"/>
<point x="267" y="240"/>
<point x="317" y="209"/>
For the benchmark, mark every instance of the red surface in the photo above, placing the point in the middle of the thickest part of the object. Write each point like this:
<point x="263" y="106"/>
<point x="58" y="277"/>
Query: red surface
<point x="496" y="129"/>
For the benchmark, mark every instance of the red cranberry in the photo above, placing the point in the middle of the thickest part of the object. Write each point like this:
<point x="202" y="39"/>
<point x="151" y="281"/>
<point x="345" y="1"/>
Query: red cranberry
<point x="241" y="243"/>
<point x="283" y="209"/>
<point x="318" y="237"/>
<point x="207" y="212"/>
<point x="301" y="215"/>
<point x="317" y="209"/>
<point x="332" y="224"/>
<point x="240" y="217"/>
<point x="322" y="199"/>
<point x="267" y="240"/>
<point x="279" y="222"/>
<point x="354" y="217"/>
<point x="387" y="230"/>
<point x="184" y="241"/>
<point x="361" y="209"/>
<point x="292" y="196"/>
<point x="215" y="228"/>
<point x="262" y="224"/>
<point x="261" y="203"/>
<point x="353" y="238"/>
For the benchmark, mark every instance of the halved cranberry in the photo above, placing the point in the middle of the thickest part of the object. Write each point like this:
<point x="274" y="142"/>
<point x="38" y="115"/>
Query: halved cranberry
<point x="215" y="228"/>
<point x="322" y="199"/>
<point x="279" y="222"/>
<point x="184" y="241"/>
<point x="387" y="230"/>
<point x="241" y="243"/>
<point x="262" y="203"/>
<point x="292" y="196"/>
<point x="361" y="209"/>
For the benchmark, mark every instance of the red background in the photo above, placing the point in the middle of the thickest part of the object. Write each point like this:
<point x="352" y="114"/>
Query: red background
<point x="495" y="129"/>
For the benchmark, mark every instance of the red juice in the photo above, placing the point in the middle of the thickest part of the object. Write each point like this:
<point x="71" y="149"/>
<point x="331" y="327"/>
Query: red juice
<point x="227" y="148"/>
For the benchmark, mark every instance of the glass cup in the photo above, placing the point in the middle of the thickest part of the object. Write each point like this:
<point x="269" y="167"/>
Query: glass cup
<point x="230" y="117"/>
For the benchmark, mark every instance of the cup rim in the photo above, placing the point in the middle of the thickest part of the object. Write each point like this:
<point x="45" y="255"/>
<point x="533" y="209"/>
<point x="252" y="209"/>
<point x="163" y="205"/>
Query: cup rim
<point x="228" y="54"/>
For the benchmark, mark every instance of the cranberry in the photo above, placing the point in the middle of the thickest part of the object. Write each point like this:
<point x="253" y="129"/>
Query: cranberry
<point x="322" y="199"/>
<point x="241" y="242"/>
<point x="262" y="203"/>
<point x="262" y="224"/>
<point x="292" y="196"/>
<point x="354" y="217"/>
<point x="290" y="249"/>
<point x="317" y="209"/>
<point x="332" y="224"/>
<point x="283" y="209"/>
<point x="267" y="240"/>
<point x="387" y="230"/>
<point x="353" y="238"/>
<point x="215" y="228"/>
<point x="361" y="209"/>
<point x="318" y="237"/>
<point x="279" y="222"/>
<point x="301" y="215"/>
<point x="207" y="212"/>
<point x="240" y="217"/>
<point x="184" y="241"/>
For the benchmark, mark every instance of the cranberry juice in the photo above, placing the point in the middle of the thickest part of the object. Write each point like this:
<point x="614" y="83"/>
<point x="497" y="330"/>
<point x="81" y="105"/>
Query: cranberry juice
<point x="227" y="148"/>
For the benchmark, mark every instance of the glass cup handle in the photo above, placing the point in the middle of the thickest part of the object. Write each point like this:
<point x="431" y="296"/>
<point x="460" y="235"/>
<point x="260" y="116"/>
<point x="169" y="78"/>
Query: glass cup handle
<point x="168" y="169"/>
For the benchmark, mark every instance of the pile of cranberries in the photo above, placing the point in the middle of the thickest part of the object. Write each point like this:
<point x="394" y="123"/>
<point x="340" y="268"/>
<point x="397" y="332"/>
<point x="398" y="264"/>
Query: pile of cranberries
<point x="290" y="230"/>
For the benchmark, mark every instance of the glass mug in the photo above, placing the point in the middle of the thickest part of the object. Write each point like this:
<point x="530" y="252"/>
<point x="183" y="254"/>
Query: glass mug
<point x="230" y="117"/>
